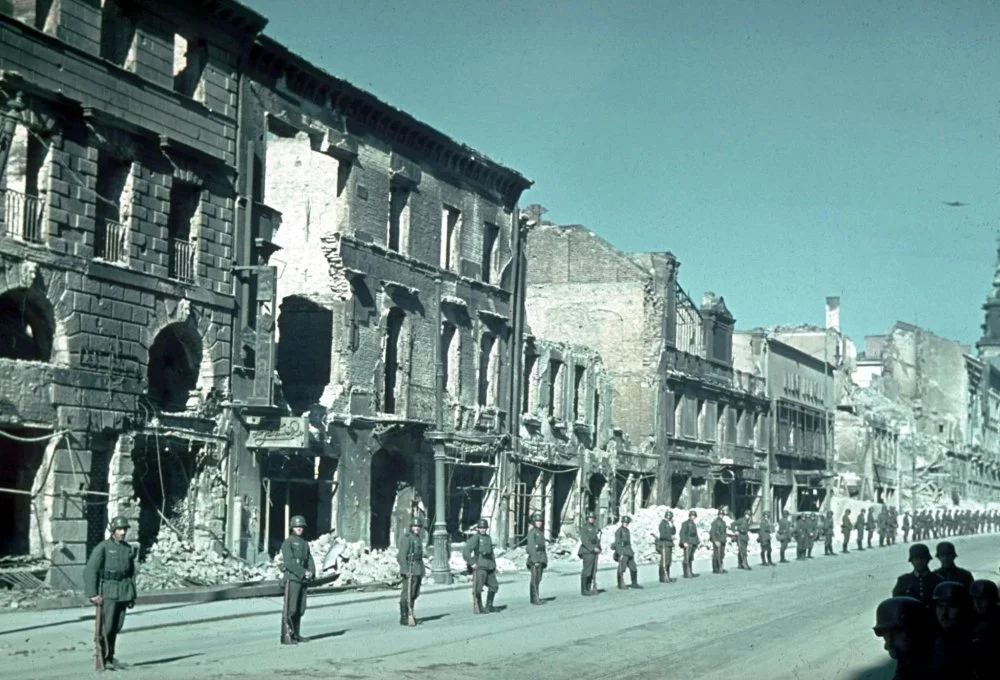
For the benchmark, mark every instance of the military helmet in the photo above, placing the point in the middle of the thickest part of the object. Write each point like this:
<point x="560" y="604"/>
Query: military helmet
<point x="415" y="521"/>
<point x="946" y="549"/>
<point x="626" y="519"/>
<point x="298" y="521"/>
<point x="899" y="612"/>
<point x="537" y="517"/>
<point x="985" y="589"/>
<point x="119" y="523"/>
<point x="918" y="551"/>
<point x="829" y="513"/>
<point x="951" y="592"/>
<point x="482" y="524"/>
<point x="591" y="514"/>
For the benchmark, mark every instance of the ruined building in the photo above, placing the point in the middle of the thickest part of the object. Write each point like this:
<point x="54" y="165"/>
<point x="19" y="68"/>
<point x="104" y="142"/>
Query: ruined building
<point x="120" y="318"/>
<point x="688" y="426"/>
<point x="398" y="266"/>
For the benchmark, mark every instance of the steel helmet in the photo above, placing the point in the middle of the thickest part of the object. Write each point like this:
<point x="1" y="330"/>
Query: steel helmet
<point x="537" y="517"/>
<point x="899" y="612"/>
<point x="483" y="524"/>
<point x="985" y="589"/>
<point x="415" y="521"/>
<point x="298" y="521"/>
<point x="626" y="519"/>
<point x="951" y="592"/>
<point x="947" y="549"/>
<point x="119" y="523"/>
<point x="591" y="515"/>
<point x="919" y="550"/>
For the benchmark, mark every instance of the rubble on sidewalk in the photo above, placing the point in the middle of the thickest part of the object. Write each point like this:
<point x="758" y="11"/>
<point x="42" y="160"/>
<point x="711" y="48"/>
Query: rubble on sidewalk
<point x="173" y="563"/>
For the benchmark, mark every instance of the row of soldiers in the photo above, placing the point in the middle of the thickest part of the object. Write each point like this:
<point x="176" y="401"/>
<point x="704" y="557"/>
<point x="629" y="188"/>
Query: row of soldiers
<point x="941" y="624"/>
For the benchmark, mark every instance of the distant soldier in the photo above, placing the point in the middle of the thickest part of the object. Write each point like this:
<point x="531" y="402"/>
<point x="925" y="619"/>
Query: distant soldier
<point x="812" y="532"/>
<point x="741" y="530"/>
<point x="590" y="548"/>
<point x="892" y="526"/>
<point x="906" y="527"/>
<point x="298" y="568"/>
<point x="764" y="538"/>
<point x="538" y="558"/>
<point x="784" y="535"/>
<point x="626" y="555"/>
<point x="479" y="557"/>
<point x="689" y="541"/>
<point x="845" y="528"/>
<point x="919" y="583"/>
<point x="882" y="528"/>
<point x="949" y="571"/>
<point x="936" y="525"/>
<point x="109" y="583"/>
<point x="665" y="546"/>
<point x="859" y="526"/>
<point x="717" y="535"/>
<point x="801" y="536"/>
<point x="828" y="534"/>
<point x="410" y="557"/>
<point x="871" y="525"/>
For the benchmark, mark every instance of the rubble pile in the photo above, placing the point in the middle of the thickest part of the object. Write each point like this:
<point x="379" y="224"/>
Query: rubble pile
<point x="173" y="563"/>
<point x="354" y="563"/>
<point x="645" y="528"/>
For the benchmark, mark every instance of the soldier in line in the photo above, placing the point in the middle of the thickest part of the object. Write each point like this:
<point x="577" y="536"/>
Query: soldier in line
<point x="626" y="555"/>
<point x="764" y="538"/>
<point x="479" y="557"/>
<point x="689" y="541"/>
<point x="953" y="647"/>
<point x="948" y="571"/>
<point x="299" y="568"/>
<point x="784" y="534"/>
<point x="845" y="528"/>
<point x="812" y="531"/>
<point x="828" y="534"/>
<point x="919" y="583"/>
<point x="538" y="558"/>
<point x="986" y="625"/>
<point x="859" y="526"/>
<point x="907" y="629"/>
<point x="891" y="525"/>
<point x="801" y="536"/>
<point x="906" y="527"/>
<point x="665" y="546"/>
<point x="871" y="525"/>
<point x="590" y="548"/>
<point x="741" y="531"/>
<point x="109" y="582"/>
<point x="717" y="535"/>
<point x="882" y="528"/>
<point x="410" y="558"/>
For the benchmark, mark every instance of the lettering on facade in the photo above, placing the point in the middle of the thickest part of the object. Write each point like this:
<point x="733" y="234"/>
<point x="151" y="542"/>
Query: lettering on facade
<point x="110" y="362"/>
<point x="286" y="433"/>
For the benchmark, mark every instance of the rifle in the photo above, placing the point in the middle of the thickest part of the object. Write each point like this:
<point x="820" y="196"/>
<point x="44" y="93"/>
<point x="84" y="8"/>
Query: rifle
<point x="475" y="591"/>
<point x="593" y="582"/>
<point x="98" y="638"/>
<point x="410" y="620"/>
<point x="286" y="621"/>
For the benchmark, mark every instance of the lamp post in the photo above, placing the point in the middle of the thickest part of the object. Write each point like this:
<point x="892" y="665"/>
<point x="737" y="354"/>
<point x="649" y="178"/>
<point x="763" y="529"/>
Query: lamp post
<point x="440" y="570"/>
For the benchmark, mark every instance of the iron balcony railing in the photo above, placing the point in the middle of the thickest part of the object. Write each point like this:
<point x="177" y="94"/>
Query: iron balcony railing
<point x="22" y="216"/>
<point x="111" y="241"/>
<point x="182" y="259"/>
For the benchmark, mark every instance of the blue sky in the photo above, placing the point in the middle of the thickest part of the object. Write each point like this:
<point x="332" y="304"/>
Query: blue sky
<point x="784" y="151"/>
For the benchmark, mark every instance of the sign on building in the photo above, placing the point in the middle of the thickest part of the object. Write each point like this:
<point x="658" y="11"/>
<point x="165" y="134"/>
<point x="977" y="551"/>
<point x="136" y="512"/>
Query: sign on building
<point x="283" y="433"/>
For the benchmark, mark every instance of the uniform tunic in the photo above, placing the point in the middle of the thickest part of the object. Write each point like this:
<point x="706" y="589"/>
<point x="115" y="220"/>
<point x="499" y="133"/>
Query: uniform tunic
<point x="764" y="534"/>
<point x="590" y="546"/>
<point x="665" y="542"/>
<point x="110" y="573"/>
<point x="537" y="557"/>
<point x="410" y="557"/>
<point x="297" y="560"/>
<point x="917" y="586"/>
<point x="956" y="574"/>
<point x="623" y="546"/>
<point x="478" y="553"/>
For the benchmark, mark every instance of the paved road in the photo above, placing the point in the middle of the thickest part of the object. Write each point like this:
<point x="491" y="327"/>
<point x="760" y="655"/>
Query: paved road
<point x="801" y="620"/>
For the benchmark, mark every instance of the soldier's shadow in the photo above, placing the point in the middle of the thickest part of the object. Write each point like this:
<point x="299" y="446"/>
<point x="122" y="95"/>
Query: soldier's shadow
<point x="546" y="600"/>
<point x="168" y="659"/>
<point x="324" y="636"/>
<point x="499" y="608"/>
<point x="427" y="619"/>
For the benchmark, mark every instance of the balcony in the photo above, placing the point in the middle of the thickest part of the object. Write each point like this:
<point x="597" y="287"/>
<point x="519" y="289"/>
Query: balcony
<point x="21" y="216"/>
<point x="181" y="261"/>
<point x="111" y="241"/>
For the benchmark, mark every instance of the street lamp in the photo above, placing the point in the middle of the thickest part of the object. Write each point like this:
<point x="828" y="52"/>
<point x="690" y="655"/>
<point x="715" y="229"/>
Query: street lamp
<point x="440" y="568"/>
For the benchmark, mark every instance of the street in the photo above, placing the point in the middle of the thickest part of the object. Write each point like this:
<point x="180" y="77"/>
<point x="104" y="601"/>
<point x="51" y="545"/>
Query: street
<point x="800" y="620"/>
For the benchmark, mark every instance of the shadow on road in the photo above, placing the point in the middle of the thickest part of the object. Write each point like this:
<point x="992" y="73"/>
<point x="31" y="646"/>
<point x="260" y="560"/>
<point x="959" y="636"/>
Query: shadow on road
<point x="883" y="671"/>
<point x="168" y="659"/>
<point x="427" y="619"/>
<point x="324" y="636"/>
<point x="78" y="619"/>
<point x="546" y="600"/>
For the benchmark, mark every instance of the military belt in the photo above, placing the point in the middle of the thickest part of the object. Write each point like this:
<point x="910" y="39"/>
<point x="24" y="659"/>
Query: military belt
<point x="112" y="576"/>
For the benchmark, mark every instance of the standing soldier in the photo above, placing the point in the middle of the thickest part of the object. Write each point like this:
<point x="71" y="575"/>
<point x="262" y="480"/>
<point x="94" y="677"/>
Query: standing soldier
<point x="801" y="536"/>
<point x="881" y="527"/>
<point x="538" y="559"/>
<point x="717" y="534"/>
<point x="784" y="534"/>
<point x="764" y="538"/>
<point x="665" y="544"/>
<point x="482" y="563"/>
<point x="845" y="529"/>
<point x="741" y="529"/>
<point x="949" y="571"/>
<point x="859" y="526"/>
<point x="812" y="530"/>
<point x="298" y="565"/>
<point x="906" y="527"/>
<point x="920" y="583"/>
<point x="828" y="534"/>
<point x="871" y="525"/>
<point x="689" y="541"/>
<point x="108" y="580"/>
<point x="590" y="548"/>
<point x="410" y="557"/>
<point x="626" y="556"/>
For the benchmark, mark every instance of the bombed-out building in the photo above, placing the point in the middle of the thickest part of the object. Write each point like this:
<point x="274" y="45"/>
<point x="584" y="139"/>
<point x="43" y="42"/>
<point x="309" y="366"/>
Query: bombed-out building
<point x="118" y="154"/>
<point x="397" y="251"/>
<point x="687" y="424"/>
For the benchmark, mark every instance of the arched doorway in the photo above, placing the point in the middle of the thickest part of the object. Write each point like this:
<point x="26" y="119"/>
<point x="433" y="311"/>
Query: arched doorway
<point x="390" y="472"/>
<point x="174" y="364"/>
<point x="27" y="326"/>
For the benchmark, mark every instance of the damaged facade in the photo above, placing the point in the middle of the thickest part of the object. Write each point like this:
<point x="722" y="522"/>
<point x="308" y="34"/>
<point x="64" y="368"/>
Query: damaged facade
<point x="690" y="425"/>
<point x="398" y="267"/>
<point x="117" y="157"/>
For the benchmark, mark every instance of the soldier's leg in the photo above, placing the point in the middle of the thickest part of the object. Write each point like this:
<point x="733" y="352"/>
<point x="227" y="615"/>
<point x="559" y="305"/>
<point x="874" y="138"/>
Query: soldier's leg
<point x="478" y="580"/>
<point x="404" y="602"/>
<point x="633" y="571"/>
<point x="492" y="586"/>
<point x="668" y="556"/>
<point x="109" y="626"/>
<point x="622" y="563"/>
<point x="299" y="608"/>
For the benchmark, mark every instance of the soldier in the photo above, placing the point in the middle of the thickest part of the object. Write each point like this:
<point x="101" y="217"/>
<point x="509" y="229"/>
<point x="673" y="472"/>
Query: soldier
<point x="717" y="535"/>
<point x="845" y="528"/>
<point x="828" y="534"/>
<point x="801" y="536"/>
<point x="538" y="559"/>
<point x="871" y="525"/>
<point x="906" y="527"/>
<point x="689" y="541"/>
<point x="892" y="525"/>
<point x="626" y="556"/>
<point x="949" y="572"/>
<point x="919" y="583"/>
<point x="299" y="568"/>
<point x="665" y="545"/>
<point x="859" y="526"/>
<point x="410" y="557"/>
<point x="882" y="528"/>
<point x="741" y="531"/>
<point x="908" y="631"/>
<point x="590" y="548"/>
<point x="812" y="531"/>
<point x="784" y="535"/>
<point x="764" y="538"/>
<point x="953" y="647"/>
<point x="481" y="561"/>
<point x="109" y="583"/>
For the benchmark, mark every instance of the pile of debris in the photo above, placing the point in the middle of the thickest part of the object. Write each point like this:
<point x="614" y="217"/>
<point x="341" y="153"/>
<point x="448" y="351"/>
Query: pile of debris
<point x="173" y="563"/>
<point x="22" y="582"/>
<point x="353" y="563"/>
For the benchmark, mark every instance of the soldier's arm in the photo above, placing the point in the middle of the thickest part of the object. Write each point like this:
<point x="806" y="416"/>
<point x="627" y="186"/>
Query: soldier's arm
<point x="288" y="560"/>
<point x="900" y="589"/>
<point x="402" y="554"/>
<point x="92" y="572"/>
<point x="470" y="548"/>
<point x="310" y="562"/>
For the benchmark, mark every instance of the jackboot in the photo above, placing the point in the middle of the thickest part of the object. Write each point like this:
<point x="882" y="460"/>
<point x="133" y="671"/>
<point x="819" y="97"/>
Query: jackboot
<point x="489" y="602"/>
<point x="663" y="575"/>
<point x="635" y="580"/>
<point x="479" y="603"/>
<point x="585" y="586"/>
<point x="404" y="615"/>
<point x="621" y="580"/>
<point x="670" y="580"/>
